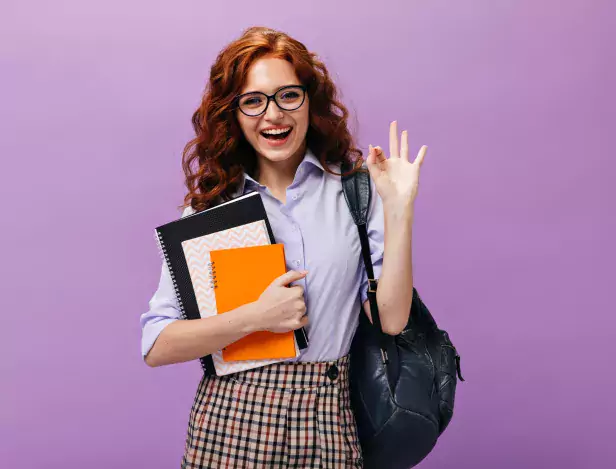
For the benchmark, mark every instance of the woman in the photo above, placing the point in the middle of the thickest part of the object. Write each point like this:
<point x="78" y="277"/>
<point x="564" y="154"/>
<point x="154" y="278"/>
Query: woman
<point x="269" y="121"/>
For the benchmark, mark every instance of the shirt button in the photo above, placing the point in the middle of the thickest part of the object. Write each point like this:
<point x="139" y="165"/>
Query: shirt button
<point x="295" y="196"/>
<point x="297" y="263"/>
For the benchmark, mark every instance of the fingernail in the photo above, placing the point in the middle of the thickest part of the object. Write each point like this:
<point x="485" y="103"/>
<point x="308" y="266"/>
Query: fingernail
<point x="369" y="148"/>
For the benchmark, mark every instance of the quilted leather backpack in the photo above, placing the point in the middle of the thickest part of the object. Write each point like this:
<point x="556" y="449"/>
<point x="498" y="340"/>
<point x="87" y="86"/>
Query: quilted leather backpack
<point x="403" y="386"/>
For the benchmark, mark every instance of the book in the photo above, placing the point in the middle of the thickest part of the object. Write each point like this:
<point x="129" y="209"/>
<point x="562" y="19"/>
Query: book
<point x="197" y="253"/>
<point x="240" y="276"/>
<point x="240" y="211"/>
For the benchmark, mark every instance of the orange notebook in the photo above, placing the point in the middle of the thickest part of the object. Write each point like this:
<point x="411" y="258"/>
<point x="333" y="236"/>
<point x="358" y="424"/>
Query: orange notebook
<point x="242" y="274"/>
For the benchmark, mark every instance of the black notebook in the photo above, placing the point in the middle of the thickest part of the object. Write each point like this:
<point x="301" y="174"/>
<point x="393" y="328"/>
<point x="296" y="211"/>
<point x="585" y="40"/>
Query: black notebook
<point x="192" y="235"/>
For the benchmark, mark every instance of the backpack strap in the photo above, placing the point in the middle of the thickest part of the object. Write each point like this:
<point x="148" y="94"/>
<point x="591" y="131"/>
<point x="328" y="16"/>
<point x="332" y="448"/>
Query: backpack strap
<point x="356" y="187"/>
<point x="357" y="192"/>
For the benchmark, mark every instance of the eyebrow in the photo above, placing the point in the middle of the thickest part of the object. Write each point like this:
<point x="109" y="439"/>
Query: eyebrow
<point x="276" y="91"/>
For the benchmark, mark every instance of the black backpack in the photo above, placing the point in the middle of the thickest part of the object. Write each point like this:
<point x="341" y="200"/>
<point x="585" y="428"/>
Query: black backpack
<point x="402" y="387"/>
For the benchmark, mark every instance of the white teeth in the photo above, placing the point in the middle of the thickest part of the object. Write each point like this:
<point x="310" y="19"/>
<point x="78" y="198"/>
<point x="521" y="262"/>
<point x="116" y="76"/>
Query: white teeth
<point x="276" y="131"/>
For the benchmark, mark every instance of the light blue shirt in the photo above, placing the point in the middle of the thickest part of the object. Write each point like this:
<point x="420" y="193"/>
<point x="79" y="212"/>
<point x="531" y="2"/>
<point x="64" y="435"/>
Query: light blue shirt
<point x="319" y="235"/>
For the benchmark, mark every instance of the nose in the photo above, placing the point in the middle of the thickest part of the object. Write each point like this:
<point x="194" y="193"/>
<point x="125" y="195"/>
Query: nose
<point x="273" y="112"/>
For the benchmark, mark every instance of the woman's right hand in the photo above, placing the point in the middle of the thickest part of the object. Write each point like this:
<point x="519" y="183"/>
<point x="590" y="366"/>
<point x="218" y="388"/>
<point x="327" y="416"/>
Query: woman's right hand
<point x="281" y="308"/>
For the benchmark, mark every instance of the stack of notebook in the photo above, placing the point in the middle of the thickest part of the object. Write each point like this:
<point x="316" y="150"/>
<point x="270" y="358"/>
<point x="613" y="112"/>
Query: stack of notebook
<point x="220" y="259"/>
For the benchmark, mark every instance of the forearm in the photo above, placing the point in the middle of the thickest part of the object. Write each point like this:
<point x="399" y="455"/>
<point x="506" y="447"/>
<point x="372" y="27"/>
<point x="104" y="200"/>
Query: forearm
<point x="395" y="287"/>
<point x="186" y="340"/>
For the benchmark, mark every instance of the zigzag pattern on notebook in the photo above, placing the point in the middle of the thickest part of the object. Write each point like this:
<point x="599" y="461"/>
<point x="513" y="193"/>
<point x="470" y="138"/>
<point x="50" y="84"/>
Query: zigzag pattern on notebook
<point x="197" y="253"/>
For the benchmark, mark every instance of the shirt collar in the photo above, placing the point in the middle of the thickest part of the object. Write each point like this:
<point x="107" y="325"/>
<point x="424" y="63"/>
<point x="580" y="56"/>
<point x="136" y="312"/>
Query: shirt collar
<point x="310" y="158"/>
<point x="249" y="183"/>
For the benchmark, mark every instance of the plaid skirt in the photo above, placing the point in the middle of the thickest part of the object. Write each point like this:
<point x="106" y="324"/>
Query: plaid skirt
<point x="279" y="416"/>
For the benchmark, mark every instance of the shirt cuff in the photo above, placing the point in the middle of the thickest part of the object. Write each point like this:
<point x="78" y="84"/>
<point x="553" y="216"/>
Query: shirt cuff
<point x="150" y="333"/>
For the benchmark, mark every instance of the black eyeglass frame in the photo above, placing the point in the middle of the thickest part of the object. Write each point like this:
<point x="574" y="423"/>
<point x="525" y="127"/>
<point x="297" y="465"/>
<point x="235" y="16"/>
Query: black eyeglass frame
<point x="271" y="97"/>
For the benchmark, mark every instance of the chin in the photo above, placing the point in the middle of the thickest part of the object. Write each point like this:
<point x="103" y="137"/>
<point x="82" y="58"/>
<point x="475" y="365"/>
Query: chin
<point x="281" y="155"/>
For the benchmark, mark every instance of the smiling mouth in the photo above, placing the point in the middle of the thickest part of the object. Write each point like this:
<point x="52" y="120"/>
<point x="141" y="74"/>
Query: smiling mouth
<point x="276" y="134"/>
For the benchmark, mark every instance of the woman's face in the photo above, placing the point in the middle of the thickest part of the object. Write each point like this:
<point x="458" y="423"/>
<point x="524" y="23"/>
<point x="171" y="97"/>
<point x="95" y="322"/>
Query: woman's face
<point x="277" y="134"/>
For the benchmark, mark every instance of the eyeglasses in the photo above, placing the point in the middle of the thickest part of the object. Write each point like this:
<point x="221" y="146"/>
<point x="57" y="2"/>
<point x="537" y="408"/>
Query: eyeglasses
<point x="287" y="98"/>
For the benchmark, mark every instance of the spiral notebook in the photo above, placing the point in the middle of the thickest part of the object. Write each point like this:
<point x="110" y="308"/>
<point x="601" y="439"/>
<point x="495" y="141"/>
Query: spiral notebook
<point x="244" y="210"/>
<point x="198" y="253"/>
<point x="240" y="276"/>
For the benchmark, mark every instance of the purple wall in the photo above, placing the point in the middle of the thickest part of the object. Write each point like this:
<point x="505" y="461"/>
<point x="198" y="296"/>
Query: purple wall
<point x="514" y="216"/>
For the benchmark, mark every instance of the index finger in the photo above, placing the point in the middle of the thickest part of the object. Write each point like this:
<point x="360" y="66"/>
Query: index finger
<point x="290" y="276"/>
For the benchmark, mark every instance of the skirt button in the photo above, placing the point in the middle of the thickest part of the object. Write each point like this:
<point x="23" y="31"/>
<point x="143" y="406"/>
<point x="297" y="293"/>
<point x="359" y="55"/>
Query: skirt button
<point x="332" y="372"/>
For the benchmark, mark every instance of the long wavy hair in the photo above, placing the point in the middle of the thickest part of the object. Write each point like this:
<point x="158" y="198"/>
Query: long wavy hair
<point x="216" y="158"/>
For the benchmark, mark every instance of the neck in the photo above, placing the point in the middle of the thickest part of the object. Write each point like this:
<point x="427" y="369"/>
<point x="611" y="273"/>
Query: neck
<point x="278" y="175"/>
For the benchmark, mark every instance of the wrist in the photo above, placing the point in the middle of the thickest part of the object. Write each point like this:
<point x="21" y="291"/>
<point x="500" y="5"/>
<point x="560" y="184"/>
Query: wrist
<point x="251" y="318"/>
<point x="399" y="211"/>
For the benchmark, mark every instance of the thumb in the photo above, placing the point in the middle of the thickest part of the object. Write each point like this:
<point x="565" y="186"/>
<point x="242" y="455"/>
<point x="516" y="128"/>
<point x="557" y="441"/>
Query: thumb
<point x="288" y="277"/>
<point x="371" y="162"/>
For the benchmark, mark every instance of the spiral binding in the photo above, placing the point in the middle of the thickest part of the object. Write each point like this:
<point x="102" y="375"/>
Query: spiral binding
<point x="163" y="252"/>
<point x="213" y="283"/>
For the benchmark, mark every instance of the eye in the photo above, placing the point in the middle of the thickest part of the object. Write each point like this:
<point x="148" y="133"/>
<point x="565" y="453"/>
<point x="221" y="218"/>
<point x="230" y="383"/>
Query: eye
<point x="290" y="95"/>
<point x="251" y="101"/>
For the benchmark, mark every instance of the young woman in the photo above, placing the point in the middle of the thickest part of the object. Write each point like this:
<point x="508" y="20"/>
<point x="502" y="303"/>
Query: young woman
<point x="269" y="121"/>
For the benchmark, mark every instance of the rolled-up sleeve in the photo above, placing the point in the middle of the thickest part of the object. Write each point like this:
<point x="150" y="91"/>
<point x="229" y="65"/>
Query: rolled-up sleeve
<point x="376" y="237"/>
<point x="163" y="308"/>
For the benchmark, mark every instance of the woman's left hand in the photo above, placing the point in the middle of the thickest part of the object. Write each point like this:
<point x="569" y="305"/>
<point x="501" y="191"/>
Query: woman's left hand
<point x="396" y="178"/>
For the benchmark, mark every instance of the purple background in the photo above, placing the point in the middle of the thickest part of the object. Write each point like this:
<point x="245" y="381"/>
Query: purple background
<point x="514" y="218"/>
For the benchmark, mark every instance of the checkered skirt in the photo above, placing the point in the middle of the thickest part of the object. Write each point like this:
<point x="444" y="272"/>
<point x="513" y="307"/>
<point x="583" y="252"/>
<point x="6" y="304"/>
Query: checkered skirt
<point x="285" y="415"/>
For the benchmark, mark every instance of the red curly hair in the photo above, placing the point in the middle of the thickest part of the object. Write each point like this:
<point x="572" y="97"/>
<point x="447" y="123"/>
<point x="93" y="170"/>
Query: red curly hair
<point x="215" y="160"/>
